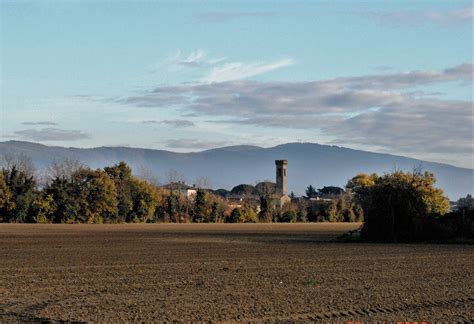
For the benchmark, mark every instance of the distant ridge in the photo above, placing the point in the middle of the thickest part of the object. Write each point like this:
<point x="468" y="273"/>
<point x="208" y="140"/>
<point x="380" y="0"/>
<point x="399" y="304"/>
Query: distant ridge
<point x="308" y="163"/>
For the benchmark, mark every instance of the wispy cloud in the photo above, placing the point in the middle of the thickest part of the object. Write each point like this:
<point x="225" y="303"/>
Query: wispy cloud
<point x="182" y="62"/>
<point x="178" y="123"/>
<point x="215" y="69"/>
<point x="239" y="70"/>
<point x="41" y="123"/>
<point x="188" y="143"/>
<point x="173" y="122"/>
<point x="226" y="16"/>
<point x="193" y="59"/>
<point x="411" y="18"/>
<point x="51" y="134"/>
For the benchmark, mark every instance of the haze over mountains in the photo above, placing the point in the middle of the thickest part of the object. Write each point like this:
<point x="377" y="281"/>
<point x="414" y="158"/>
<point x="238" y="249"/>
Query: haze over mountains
<point x="319" y="165"/>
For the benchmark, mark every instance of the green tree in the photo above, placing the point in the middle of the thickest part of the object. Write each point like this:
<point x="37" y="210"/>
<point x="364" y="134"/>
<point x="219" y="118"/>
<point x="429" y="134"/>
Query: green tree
<point x="64" y="193"/>
<point x="200" y="209"/>
<point x="120" y="171"/>
<point x="466" y="203"/>
<point x="330" y="191"/>
<point x="215" y="213"/>
<point x="311" y="192"/>
<point x="121" y="174"/>
<point x="243" y="189"/>
<point x="22" y="186"/>
<point x="145" y="199"/>
<point x="235" y="216"/>
<point x="172" y="208"/>
<point x="266" y="209"/>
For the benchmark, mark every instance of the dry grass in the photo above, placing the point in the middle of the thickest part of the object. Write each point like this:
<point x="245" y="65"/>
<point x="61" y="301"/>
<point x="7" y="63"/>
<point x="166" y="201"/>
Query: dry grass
<point x="226" y="272"/>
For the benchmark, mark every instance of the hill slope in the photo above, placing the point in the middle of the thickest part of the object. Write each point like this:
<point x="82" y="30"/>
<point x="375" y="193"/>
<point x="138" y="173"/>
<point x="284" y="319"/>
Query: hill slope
<point x="226" y="167"/>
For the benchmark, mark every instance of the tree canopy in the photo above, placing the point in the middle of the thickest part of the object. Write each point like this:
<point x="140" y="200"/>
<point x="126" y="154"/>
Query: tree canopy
<point x="395" y="204"/>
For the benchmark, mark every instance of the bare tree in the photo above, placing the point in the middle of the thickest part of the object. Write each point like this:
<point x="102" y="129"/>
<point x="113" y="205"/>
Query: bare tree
<point x="21" y="162"/>
<point x="202" y="183"/>
<point x="146" y="174"/>
<point x="174" y="177"/>
<point x="265" y="188"/>
<point x="64" y="169"/>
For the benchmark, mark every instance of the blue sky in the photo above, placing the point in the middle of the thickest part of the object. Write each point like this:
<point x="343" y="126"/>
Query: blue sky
<point x="385" y="76"/>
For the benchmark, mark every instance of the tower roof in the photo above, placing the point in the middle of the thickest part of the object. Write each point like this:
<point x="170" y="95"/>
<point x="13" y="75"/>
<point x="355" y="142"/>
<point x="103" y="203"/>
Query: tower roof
<point x="281" y="162"/>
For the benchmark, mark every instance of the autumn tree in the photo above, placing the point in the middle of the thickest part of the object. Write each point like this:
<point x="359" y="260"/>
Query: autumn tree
<point x="288" y="213"/>
<point x="248" y="215"/>
<point x="97" y="194"/>
<point x="42" y="208"/>
<point x="217" y="208"/>
<point x="360" y="186"/>
<point x="331" y="212"/>
<point x="87" y="196"/>
<point x="6" y="202"/>
<point x="396" y="204"/>
<point x="301" y="211"/>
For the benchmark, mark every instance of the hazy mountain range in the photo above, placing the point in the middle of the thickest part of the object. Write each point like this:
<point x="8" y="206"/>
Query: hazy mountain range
<point x="319" y="165"/>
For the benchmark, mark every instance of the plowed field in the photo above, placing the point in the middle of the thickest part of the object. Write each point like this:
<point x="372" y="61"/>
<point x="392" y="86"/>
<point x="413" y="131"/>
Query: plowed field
<point x="255" y="272"/>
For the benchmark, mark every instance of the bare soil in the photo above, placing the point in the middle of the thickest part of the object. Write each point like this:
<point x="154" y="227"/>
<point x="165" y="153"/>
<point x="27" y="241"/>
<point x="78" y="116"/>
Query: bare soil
<point x="226" y="272"/>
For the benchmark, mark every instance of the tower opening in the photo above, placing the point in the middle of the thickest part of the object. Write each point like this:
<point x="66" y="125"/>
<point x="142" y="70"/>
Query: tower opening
<point x="281" y="176"/>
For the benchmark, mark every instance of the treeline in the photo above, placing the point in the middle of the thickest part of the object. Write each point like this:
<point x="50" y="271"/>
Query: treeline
<point x="397" y="206"/>
<point x="74" y="193"/>
<point x="78" y="194"/>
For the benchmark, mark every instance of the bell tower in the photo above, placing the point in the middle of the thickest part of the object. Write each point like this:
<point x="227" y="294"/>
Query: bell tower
<point x="281" y="176"/>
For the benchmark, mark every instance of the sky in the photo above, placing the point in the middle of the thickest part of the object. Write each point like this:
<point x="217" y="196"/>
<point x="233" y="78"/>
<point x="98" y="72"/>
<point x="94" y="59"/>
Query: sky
<point x="383" y="76"/>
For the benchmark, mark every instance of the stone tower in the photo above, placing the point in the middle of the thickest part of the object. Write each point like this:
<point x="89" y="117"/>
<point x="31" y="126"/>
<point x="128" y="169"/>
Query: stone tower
<point x="281" y="176"/>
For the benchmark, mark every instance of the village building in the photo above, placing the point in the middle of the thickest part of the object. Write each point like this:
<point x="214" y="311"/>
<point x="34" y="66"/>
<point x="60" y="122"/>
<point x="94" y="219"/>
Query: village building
<point x="181" y="188"/>
<point x="248" y="193"/>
